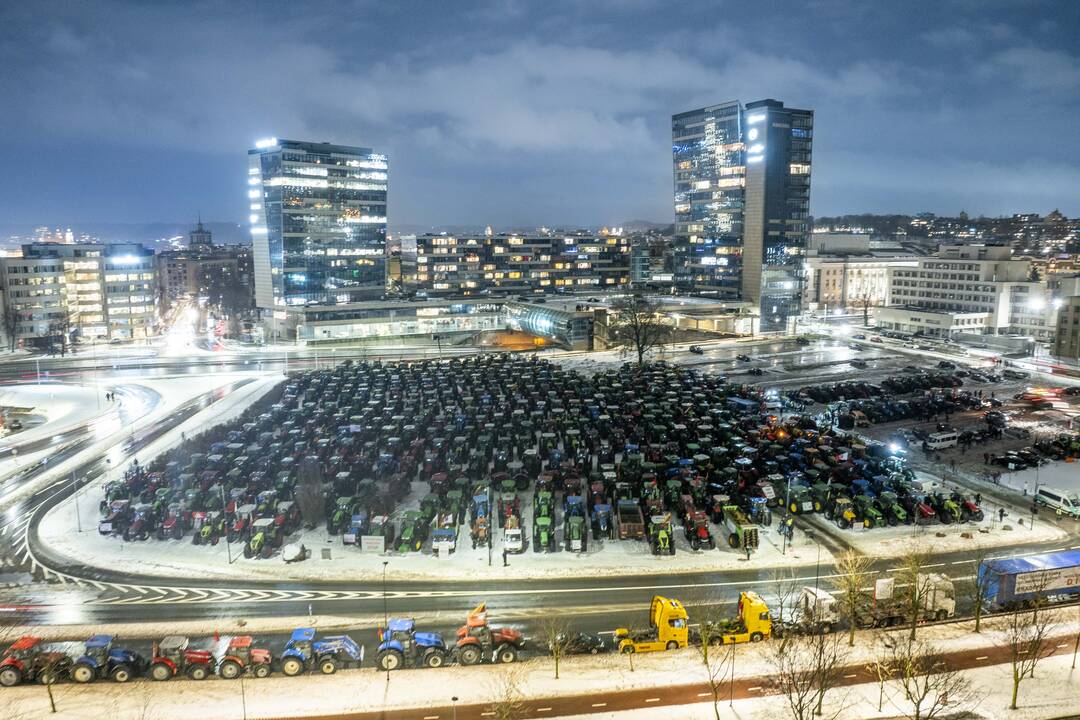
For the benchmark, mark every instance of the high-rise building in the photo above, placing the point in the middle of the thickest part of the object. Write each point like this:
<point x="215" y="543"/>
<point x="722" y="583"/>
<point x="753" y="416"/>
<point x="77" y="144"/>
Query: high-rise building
<point x="318" y="217"/>
<point x="742" y="203"/>
<point x="200" y="237"/>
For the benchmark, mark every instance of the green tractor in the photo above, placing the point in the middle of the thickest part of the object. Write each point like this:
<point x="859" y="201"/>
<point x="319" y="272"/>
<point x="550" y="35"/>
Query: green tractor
<point x="455" y="503"/>
<point x="821" y="496"/>
<point x="947" y="509"/>
<point x="866" y="510"/>
<point x="895" y="514"/>
<point x="429" y="506"/>
<point x="543" y="534"/>
<point x="413" y="532"/>
<point x="661" y="538"/>
<point x="265" y="536"/>
<point x="576" y="534"/>
<point x="340" y="516"/>
<point x="799" y="500"/>
<point x="544" y="504"/>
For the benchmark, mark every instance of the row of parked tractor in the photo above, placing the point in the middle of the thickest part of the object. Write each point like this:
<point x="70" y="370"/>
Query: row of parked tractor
<point x="861" y="389"/>
<point x="399" y="645"/>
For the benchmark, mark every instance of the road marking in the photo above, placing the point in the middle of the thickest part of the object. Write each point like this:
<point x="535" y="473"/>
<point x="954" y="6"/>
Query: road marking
<point x="982" y="657"/>
<point x="704" y="694"/>
<point x="756" y="687"/>
<point x="1063" y="645"/>
<point x="486" y="714"/>
<point x="431" y="717"/>
<point x="959" y="562"/>
<point x="652" y="699"/>
<point x="543" y="709"/>
<point x="852" y="675"/>
<point x="599" y="704"/>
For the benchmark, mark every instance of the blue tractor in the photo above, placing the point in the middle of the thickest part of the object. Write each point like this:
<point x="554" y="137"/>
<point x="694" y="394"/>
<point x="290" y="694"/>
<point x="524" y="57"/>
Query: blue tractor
<point x="304" y="653"/>
<point x="102" y="660"/>
<point x="401" y="646"/>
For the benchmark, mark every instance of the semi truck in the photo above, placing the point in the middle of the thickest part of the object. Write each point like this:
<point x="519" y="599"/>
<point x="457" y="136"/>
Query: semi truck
<point x="668" y="629"/>
<point x="751" y="623"/>
<point x="1019" y="581"/>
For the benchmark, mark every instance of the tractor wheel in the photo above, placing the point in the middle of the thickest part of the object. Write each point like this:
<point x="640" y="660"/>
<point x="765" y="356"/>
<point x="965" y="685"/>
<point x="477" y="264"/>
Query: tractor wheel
<point x="843" y="523"/>
<point x="506" y="654"/>
<point x="196" y="539"/>
<point x="470" y="655"/>
<point x="267" y="551"/>
<point x="389" y="660"/>
<point x="978" y="517"/>
<point x="965" y="516"/>
<point x="867" y="523"/>
<point x="48" y="677"/>
<point x="671" y="645"/>
<point x="941" y="615"/>
<point x="434" y="658"/>
<point x="756" y="637"/>
<point x="199" y="671"/>
<point x="733" y="540"/>
<point x="826" y="628"/>
<point x="695" y="543"/>
<point x="328" y="666"/>
<point x="262" y="670"/>
<point x="817" y="506"/>
<point x="628" y="649"/>
<point x="160" y="671"/>
<point x="230" y="670"/>
<point x="177" y="532"/>
<point x="247" y="552"/>
<point x="10" y="676"/>
<point x="946" y="519"/>
<point x="121" y="673"/>
<point x="292" y="666"/>
<point x="794" y="508"/>
<point x="829" y="514"/>
<point x="891" y="519"/>
<point x="83" y="673"/>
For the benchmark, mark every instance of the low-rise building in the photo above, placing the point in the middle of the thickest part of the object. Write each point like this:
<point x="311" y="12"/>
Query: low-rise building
<point x="466" y="265"/>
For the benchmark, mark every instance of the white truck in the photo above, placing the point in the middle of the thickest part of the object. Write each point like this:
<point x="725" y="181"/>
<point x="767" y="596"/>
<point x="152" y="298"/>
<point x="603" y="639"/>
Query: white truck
<point x="818" y="610"/>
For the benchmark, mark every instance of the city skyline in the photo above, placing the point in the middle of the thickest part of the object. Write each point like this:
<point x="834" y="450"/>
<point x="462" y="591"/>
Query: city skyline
<point x="504" y="116"/>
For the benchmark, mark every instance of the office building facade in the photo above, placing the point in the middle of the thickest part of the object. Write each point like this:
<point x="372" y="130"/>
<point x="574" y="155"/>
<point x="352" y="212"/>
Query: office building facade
<point x="473" y="264"/>
<point x="318" y="223"/>
<point x="742" y="204"/>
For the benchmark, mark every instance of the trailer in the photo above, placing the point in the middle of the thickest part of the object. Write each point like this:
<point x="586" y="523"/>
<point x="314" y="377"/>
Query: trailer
<point x="742" y="533"/>
<point x="1019" y="581"/>
<point x="631" y="521"/>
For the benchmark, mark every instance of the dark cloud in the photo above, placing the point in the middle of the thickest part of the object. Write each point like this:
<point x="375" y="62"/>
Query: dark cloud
<point x="522" y="112"/>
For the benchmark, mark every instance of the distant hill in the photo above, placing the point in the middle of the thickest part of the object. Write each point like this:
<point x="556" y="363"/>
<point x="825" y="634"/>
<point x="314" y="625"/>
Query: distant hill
<point x="152" y="233"/>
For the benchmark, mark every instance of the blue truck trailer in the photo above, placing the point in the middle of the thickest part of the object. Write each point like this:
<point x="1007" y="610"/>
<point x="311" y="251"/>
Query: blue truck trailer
<point x="1012" y="582"/>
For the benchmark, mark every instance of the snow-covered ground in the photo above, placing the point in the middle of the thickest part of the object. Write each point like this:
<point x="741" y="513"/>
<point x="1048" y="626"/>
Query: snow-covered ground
<point x="1050" y="694"/>
<point x="61" y="406"/>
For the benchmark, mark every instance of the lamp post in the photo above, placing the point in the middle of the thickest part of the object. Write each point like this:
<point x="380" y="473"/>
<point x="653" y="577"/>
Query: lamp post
<point x="453" y="706"/>
<point x="386" y="622"/>
<point x="228" y="546"/>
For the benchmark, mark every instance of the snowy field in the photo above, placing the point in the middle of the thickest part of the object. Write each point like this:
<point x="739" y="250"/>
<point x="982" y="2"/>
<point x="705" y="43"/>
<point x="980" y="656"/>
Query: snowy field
<point x="1050" y="694"/>
<point x="61" y="406"/>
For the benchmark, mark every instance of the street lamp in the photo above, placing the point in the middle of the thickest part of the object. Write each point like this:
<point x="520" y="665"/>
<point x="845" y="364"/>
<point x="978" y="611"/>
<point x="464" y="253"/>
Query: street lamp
<point x="453" y="711"/>
<point x="385" y="621"/>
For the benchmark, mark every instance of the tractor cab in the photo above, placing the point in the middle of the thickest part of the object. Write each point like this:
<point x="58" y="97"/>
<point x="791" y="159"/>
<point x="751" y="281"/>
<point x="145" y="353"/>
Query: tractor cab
<point x="301" y="641"/>
<point x="98" y="648"/>
<point x="172" y="647"/>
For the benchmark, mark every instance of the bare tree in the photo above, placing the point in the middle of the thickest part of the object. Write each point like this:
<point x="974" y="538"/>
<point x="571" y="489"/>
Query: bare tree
<point x="927" y="683"/>
<point x="10" y="320"/>
<point x="507" y="698"/>
<point x="915" y="583"/>
<point x="555" y="633"/>
<point x="714" y="660"/>
<point x="1026" y="638"/>
<point x="980" y="585"/>
<point x="786" y="593"/>
<point x="805" y="668"/>
<point x="851" y="569"/>
<point x="637" y="325"/>
<point x="883" y="668"/>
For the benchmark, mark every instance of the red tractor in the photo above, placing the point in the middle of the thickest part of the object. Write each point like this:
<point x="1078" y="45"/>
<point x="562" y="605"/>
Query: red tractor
<point x="172" y="657"/>
<point x="25" y="661"/>
<point x="696" y="524"/>
<point x="242" y="658"/>
<point x="477" y="641"/>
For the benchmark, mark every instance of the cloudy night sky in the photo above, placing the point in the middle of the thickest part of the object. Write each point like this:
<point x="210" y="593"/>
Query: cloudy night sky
<point x="529" y="113"/>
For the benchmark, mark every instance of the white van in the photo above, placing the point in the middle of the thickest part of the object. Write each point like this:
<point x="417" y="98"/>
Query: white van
<point x="941" y="440"/>
<point x="1068" y="503"/>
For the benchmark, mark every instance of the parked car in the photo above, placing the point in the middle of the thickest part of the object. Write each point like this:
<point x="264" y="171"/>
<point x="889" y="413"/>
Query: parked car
<point x="582" y="644"/>
<point x="697" y="349"/>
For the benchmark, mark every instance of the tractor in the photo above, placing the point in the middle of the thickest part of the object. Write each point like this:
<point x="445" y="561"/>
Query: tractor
<point x="543" y="534"/>
<point x="173" y="524"/>
<point x="576" y="533"/>
<point x="101" y="660"/>
<point x="867" y="512"/>
<point x="338" y="518"/>
<point x="477" y="641"/>
<point x="947" y="509"/>
<point x="142" y="523"/>
<point x="759" y="510"/>
<point x="696" y="525"/>
<point x="304" y="652"/>
<point x="842" y="512"/>
<point x="172" y="657"/>
<point x="240" y="657"/>
<point x="240" y="529"/>
<point x="117" y="518"/>
<point x="25" y="661"/>
<point x="509" y="505"/>
<point x="661" y="539"/>
<point x="265" y="536"/>
<point x="207" y="527"/>
<point x="413" y="532"/>
<point x="401" y="646"/>
<point x="969" y="509"/>
<point x="603" y="524"/>
<point x="894" y="512"/>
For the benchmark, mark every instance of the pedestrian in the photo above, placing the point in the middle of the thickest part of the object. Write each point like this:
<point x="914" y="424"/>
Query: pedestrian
<point x="952" y="464"/>
<point x="986" y="458"/>
<point x="747" y="548"/>
<point x="1001" y="514"/>
<point x="978" y="498"/>
<point x="504" y="558"/>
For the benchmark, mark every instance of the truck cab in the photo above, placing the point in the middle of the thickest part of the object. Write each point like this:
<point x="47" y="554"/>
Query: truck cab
<point x="753" y="622"/>
<point x="668" y="629"/>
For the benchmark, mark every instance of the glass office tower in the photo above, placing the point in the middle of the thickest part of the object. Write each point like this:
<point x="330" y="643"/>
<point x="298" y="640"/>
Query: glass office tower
<point x="742" y="204"/>
<point x="318" y="223"/>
